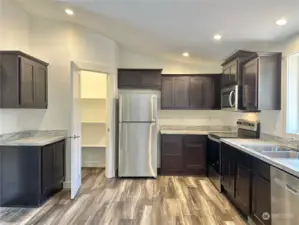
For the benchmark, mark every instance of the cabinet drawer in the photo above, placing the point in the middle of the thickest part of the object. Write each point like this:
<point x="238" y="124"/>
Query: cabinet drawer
<point x="243" y="159"/>
<point x="261" y="168"/>
<point x="194" y="139"/>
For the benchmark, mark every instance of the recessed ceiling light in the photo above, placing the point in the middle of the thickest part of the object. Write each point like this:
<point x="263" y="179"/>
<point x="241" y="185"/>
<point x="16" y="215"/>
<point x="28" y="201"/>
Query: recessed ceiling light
<point x="69" y="12"/>
<point x="281" y="22"/>
<point x="186" y="54"/>
<point x="217" y="37"/>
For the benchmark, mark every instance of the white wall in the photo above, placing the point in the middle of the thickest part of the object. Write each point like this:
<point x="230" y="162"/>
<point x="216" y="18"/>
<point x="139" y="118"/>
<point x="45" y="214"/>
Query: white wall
<point x="14" y="27"/>
<point x="57" y="43"/>
<point x="60" y="43"/>
<point x="129" y="59"/>
<point x="14" y="35"/>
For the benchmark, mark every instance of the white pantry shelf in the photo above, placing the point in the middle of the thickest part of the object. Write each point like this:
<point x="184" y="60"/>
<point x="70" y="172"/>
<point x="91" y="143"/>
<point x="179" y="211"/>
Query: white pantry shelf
<point x="93" y="146"/>
<point x="93" y="122"/>
<point x="100" y="99"/>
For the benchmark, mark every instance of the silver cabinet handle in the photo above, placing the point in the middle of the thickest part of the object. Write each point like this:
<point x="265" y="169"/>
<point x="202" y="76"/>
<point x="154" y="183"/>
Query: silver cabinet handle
<point x="291" y="189"/>
<point x="74" y="137"/>
<point x="230" y="98"/>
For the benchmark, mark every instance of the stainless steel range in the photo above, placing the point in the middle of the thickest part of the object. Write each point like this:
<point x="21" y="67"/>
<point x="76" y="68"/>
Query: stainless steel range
<point x="246" y="129"/>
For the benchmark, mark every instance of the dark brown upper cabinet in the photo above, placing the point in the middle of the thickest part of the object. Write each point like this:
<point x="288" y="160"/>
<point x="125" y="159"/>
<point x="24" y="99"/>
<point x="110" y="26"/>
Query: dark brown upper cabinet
<point x="167" y="96"/>
<point x="181" y="92"/>
<point x="262" y="82"/>
<point x="139" y="78"/>
<point x="191" y="91"/>
<point x="231" y="68"/>
<point x="23" y="81"/>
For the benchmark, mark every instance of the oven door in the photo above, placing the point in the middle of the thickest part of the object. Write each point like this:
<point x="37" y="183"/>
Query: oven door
<point x="229" y="98"/>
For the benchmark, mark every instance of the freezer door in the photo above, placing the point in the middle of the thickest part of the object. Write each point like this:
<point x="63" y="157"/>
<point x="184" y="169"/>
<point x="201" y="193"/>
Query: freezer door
<point x="138" y="150"/>
<point x="137" y="107"/>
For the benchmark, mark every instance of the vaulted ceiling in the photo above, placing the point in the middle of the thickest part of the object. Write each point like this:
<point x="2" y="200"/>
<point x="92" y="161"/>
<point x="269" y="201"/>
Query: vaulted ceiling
<point x="170" y="27"/>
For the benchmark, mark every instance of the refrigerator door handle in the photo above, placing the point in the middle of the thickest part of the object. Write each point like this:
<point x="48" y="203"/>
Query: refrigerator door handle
<point x="120" y="109"/>
<point x="154" y="107"/>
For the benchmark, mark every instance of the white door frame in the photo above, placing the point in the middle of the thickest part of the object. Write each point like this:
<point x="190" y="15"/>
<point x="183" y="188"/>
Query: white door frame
<point x="110" y="103"/>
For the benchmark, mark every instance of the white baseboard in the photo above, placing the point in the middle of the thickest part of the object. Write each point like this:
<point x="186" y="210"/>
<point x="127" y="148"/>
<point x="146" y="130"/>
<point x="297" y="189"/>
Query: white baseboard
<point x="67" y="184"/>
<point x="93" y="164"/>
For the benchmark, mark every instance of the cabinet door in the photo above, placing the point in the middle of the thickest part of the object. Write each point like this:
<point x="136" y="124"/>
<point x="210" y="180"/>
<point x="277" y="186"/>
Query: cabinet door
<point x="47" y="168"/>
<point x="181" y="92"/>
<point x="226" y="76"/>
<point x="151" y="79"/>
<point x="232" y="174"/>
<point x="261" y="200"/>
<point x="128" y="78"/>
<point x="26" y="83"/>
<point x="233" y="77"/>
<point x="225" y="167"/>
<point x="167" y="93"/>
<point x="41" y="86"/>
<point x="143" y="78"/>
<point x="59" y="149"/>
<point x="243" y="188"/>
<point x="194" y="154"/>
<point x="172" y="154"/>
<point x="197" y="92"/>
<point x="250" y="85"/>
<point x="208" y="92"/>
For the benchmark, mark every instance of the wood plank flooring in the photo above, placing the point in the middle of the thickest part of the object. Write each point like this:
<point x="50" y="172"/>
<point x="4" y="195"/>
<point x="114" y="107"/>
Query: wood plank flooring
<point x="102" y="201"/>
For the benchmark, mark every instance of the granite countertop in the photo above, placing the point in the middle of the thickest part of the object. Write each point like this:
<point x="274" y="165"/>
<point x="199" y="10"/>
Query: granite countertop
<point x="204" y="130"/>
<point x="32" y="138"/>
<point x="287" y="164"/>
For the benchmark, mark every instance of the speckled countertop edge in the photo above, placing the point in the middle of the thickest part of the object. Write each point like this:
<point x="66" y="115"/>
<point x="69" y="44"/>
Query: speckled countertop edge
<point x="289" y="165"/>
<point x="32" y="138"/>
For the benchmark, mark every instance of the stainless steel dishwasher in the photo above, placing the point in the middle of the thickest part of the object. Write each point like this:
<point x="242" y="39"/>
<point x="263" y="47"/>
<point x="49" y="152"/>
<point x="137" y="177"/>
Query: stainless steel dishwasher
<point x="284" y="198"/>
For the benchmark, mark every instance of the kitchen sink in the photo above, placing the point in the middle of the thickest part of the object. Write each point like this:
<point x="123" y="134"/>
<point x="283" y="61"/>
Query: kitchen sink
<point x="282" y="154"/>
<point x="268" y="148"/>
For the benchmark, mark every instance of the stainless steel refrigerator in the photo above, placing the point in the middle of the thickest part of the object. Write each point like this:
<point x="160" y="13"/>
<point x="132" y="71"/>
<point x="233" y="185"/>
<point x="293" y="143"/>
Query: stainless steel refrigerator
<point x="138" y="134"/>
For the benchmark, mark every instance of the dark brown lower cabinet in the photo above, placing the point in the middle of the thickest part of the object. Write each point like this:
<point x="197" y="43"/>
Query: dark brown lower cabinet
<point x="172" y="154"/>
<point x="194" y="154"/>
<point x="183" y="154"/>
<point x="228" y="169"/>
<point x="246" y="182"/>
<point x="261" y="193"/>
<point x="243" y="188"/>
<point x="30" y="174"/>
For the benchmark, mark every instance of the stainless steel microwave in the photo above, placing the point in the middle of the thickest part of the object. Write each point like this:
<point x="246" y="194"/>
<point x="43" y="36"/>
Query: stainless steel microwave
<point x="231" y="98"/>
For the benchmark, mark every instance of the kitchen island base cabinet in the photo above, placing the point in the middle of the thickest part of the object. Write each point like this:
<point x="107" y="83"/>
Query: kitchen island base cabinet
<point x="30" y="174"/>
<point x="183" y="154"/>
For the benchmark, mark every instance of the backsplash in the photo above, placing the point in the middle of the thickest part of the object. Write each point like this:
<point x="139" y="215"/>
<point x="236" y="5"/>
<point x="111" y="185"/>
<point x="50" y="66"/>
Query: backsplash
<point x="190" y="117"/>
<point x="271" y="120"/>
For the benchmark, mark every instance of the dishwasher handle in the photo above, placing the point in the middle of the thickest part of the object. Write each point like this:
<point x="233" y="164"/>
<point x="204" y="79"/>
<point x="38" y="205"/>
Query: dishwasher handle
<point x="292" y="189"/>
